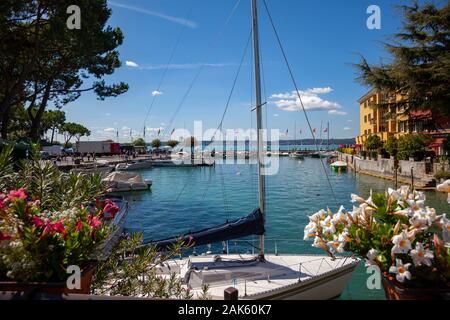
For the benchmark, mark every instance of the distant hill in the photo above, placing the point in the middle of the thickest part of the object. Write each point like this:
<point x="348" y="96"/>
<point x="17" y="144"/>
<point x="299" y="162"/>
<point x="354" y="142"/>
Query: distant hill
<point x="311" y="141"/>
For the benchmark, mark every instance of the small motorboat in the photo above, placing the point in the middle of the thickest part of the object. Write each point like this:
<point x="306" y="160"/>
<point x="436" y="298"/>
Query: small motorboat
<point x="119" y="181"/>
<point x="297" y="155"/>
<point x="134" y="165"/>
<point x="338" y="166"/>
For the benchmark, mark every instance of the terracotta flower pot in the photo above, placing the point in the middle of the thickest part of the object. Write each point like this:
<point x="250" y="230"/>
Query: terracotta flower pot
<point x="52" y="287"/>
<point x="394" y="290"/>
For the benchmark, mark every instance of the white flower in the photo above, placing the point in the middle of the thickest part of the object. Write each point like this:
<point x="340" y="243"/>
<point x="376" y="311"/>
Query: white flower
<point x="318" y="216"/>
<point x="421" y="256"/>
<point x="340" y="216"/>
<point x="445" y="230"/>
<point x="401" y="271"/>
<point x="393" y="193"/>
<point x="356" y="198"/>
<point x="310" y="230"/>
<point x="372" y="254"/>
<point x="401" y="243"/>
<point x="328" y="226"/>
<point x="336" y="245"/>
<point x="319" y="243"/>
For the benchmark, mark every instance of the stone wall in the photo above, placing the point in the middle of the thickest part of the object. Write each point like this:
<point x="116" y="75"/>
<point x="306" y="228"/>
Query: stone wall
<point x="384" y="168"/>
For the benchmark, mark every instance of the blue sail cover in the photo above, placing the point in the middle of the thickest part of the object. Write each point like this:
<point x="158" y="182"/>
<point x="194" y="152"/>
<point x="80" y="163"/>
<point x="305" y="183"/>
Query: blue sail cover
<point x="253" y="224"/>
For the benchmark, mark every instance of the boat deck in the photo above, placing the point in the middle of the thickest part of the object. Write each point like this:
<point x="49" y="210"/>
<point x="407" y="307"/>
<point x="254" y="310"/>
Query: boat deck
<point x="279" y="277"/>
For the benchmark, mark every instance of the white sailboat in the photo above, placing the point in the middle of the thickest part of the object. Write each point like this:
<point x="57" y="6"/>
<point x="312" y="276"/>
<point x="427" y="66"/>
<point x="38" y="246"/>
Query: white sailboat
<point x="262" y="276"/>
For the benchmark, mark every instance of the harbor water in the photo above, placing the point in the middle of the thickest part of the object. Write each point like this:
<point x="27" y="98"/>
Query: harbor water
<point x="189" y="199"/>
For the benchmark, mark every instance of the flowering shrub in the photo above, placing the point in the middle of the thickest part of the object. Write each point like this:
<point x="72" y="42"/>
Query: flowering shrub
<point x="37" y="244"/>
<point x="395" y="231"/>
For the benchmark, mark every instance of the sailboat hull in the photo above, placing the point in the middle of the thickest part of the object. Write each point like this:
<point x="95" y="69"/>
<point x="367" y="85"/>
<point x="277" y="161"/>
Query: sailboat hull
<point x="279" y="277"/>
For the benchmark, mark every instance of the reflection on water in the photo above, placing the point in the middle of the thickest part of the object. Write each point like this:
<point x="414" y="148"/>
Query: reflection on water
<point x="189" y="199"/>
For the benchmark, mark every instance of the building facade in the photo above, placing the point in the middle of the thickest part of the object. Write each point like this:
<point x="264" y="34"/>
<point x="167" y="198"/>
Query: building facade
<point x="377" y="117"/>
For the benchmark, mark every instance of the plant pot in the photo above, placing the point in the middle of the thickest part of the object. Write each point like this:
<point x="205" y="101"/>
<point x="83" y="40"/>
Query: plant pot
<point x="394" y="290"/>
<point x="52" y="287"/>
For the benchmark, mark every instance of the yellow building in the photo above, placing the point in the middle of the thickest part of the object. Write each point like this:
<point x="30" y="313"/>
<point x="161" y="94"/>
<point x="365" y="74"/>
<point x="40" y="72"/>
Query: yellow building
<point x="381" y="121"/>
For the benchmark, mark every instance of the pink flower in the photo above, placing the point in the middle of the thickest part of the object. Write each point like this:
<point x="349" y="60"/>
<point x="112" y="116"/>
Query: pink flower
<point x="38" y="221"/>
<point x="79" y="225"/>
<point x="94" y="222"/>
<point x="36" y="203"/>
<point x="54" y="227"/>
<point x="19" y="194"/>
<point x="4" y="236"/>
<point x="59" y="227"/>
<point x="2" y="204"/>
<point x="110" y="210"/>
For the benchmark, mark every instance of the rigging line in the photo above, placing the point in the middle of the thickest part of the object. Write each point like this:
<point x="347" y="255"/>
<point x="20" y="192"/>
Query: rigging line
<point x="169" y="63"/>
<point x="202" y="66"/>
<point x="233" y="87"/>
<point x="299" y="96"/>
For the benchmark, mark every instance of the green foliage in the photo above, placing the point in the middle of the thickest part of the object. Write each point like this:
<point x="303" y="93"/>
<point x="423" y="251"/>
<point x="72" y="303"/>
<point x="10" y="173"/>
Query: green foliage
<point x="392" y="146"/>
<point x="131" y="270"/>
<point x="44" y="181"/>
<point x="139" y="142"/>
<point x="446" y="146"/>
<point x="172" y="143"/>
<point x="363" y="153"/>
<point x="43" y="61"/>
<point x="420" y="60"/>
<point x="156" y="143"/>
<point x="411" y="146"/>
<point x="373" y="142"/>
<point x="374" y="155"/>
<point x="442" y="175"/>
<point x="71" y="129"/>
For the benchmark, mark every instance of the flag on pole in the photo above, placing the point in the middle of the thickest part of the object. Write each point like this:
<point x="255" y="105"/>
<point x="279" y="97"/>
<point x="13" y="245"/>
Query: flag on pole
<point x="300" y="131"/>
<point x="159" y="131"/>
<point x="314" y="130"/>
<point x="144" y="131"/>
<point x="325" y="130"/>
<point x="287" y="132"/>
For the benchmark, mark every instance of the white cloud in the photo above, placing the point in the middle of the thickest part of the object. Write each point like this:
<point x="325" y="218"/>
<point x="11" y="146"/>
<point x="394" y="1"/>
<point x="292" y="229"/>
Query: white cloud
<point x="156" y="93"/>
<point x="109" y="130"/>
<point x="184" y="22"/>
<point x="347" y="128"/>
<point x="131" y="64"/>
<point x="276" y="115"/>
<point x="349" y="120"/>
<point x="125" y="128"/>
<point x="289" y="101"/>
<point x="107" y="114"/>
<point x="337" y="113"/>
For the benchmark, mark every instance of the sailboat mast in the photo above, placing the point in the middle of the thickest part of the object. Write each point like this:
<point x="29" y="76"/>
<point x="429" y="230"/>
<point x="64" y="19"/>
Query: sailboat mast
<point x="259" y="123"/>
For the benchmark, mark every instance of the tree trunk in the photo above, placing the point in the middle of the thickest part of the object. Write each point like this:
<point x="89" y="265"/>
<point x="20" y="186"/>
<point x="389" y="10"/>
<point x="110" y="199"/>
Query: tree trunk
<point x="5" y="122"/>
<point x="36" y="122"/>
<point x="53" y="134"/>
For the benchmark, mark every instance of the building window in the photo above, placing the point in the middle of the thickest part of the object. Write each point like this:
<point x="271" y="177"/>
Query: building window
<point x="365" y="119"/>
<point x="365" y="132"/>
<point x="370" y="131"/>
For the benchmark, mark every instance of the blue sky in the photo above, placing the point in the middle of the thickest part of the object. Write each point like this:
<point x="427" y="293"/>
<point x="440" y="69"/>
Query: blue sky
<point x="322" y="39"/>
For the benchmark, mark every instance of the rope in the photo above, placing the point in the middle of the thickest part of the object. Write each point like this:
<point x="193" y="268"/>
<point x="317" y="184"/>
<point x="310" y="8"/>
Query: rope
<point x="233" y="87"/>
<point x="202" y="66"/>
<point x="172" y="54"/>
<point x="299" y="97"/>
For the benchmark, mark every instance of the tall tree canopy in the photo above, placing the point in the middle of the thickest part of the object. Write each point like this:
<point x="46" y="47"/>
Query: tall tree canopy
<point x="42" y="61"/>
<point x="420" y="66"/>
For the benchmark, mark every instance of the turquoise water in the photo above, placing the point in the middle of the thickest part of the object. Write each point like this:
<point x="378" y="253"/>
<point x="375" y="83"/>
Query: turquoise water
<point x="188" y="199"/>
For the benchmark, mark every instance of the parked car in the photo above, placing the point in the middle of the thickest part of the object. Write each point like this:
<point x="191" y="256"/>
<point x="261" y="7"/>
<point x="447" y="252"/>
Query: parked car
<point x="68" y="151"/>
<point x="44" y="155"/>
